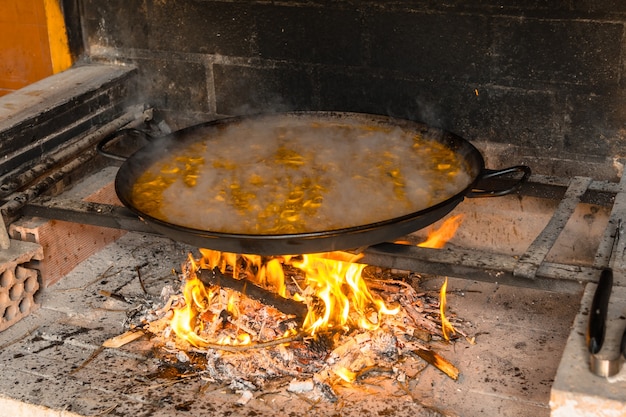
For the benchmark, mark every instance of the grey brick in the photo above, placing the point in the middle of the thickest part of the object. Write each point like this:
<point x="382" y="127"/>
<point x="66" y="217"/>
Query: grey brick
<point x="595" y="123"/>
<point x="431" y="45"/>
<point x="316" y="35"/>
<point x="246" y="90"/>
<point x="189" y="26"/>
<point x="173" y="84"/>
<point x="557" y="52"/>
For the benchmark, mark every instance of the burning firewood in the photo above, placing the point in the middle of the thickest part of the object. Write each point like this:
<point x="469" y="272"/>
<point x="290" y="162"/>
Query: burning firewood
<point x="438" y="362"/>
<point x="287" y="306"/>
<point x="240" y="335"/>
<point x="123" y="339"/>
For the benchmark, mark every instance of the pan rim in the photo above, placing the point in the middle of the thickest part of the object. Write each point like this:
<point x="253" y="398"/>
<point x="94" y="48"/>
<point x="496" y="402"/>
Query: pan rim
<point x="453" y="141"/>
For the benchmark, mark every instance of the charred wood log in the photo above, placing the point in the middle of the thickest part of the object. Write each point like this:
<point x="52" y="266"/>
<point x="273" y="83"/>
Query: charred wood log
<point x="285" y="305"/>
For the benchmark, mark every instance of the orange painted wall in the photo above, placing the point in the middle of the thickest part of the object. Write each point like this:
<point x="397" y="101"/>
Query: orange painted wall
<point x="25" y="55"/>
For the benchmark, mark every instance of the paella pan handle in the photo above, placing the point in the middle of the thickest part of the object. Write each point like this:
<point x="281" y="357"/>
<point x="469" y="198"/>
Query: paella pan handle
<point x="115" y="136"/>
<point x="492" y="173"/>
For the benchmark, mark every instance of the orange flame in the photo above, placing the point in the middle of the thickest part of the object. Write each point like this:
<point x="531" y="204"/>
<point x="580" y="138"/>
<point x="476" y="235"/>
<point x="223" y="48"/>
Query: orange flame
<point x="437" y="238"/>
<point x="334" y="290"/>
<point x="342" y="290"/>
<point x="345" y="374"/>
<point x="196" y="298"/>
<point x="446" y="326"/>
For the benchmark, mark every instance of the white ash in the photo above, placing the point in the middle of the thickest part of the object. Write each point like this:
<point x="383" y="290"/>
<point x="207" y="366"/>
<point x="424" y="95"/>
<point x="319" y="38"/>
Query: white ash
<point x="182" y="356"/>
<point x="385" y="343"/>
<point x="241" y="385"/>
<point x="246" y="396"/>
<point x="300" y="386"/>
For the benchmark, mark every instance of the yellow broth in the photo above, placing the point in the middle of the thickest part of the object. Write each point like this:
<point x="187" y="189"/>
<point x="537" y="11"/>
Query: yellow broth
<point x="272" y="176"/>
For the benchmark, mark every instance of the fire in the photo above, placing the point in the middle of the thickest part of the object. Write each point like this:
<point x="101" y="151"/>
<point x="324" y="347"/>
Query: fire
<point x="345" y="374"/>
<point x="333" y="289"/>
<point x="446" y="326"/>
<point x="195" y="295"/>
<point x="437" y="238"/>
<point x="340" y="287"/>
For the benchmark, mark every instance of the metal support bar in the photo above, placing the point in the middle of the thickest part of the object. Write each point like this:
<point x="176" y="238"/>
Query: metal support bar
<point x="530" y="261"/>
<point x="618" y="213"/>
<point x="458" y="262"/>
<point x="477" y="265"/>
<point x="95" y="214"/>
<point x="19" y="199"/>
<point x="461" y="263"/>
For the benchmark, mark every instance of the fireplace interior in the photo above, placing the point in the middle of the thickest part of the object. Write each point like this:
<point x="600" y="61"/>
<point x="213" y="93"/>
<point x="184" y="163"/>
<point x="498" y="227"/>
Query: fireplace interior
<point x="533" y="84"/>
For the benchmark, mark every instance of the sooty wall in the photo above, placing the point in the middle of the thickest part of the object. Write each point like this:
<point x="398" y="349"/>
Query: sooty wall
<point x="538" y="80"/>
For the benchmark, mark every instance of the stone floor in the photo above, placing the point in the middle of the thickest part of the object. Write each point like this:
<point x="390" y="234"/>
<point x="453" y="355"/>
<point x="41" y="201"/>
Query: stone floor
<point x="44" y="369"/>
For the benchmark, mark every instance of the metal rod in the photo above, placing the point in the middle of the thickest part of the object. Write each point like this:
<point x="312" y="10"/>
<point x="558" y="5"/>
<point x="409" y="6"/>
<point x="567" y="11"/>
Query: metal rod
<point x="95" y="214"/>
<point x="463" y="263"/>
<point x="457" y="262"/>
<point x="477" y="265"/>
<point x="11" y="183"/>
<point x="18" y="200"/>
<point x="607" y="254"/>
<point x="530" y="261"/>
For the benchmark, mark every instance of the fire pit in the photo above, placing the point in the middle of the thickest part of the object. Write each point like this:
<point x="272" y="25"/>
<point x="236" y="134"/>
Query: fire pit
<point x="529" y="226"/>
<point x="336" y="326"/>
<point x="62" y="344"/>
<point x="90" y="309"/>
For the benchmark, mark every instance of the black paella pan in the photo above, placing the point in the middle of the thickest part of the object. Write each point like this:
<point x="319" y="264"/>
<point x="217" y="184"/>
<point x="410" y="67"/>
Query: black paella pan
<point x="301" y="182"/>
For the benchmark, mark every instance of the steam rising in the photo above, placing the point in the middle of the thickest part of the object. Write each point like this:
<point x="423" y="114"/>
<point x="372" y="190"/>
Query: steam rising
<point x="279" y="175"/>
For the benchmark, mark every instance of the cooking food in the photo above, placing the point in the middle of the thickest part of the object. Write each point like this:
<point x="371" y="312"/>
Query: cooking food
<point x="272" y="175"/>
<point x="300" y="182"/>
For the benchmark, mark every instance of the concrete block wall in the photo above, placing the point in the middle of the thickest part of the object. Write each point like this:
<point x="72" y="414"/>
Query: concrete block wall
<point x="546" y="78"/>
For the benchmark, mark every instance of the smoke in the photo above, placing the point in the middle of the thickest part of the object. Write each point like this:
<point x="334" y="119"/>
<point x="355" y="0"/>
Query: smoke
<point x="295" y="174"/>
